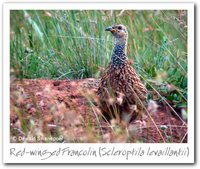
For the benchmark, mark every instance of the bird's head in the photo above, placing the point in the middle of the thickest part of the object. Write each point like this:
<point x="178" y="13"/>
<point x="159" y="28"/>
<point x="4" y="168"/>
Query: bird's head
<point x="119" y="31"/>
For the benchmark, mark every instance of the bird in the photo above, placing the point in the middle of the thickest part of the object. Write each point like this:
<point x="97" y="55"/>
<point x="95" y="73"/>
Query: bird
<point x="122" y="94"/>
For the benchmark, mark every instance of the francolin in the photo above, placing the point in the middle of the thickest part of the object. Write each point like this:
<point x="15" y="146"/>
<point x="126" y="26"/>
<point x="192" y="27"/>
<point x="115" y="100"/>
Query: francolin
<point x="121" y="92"/>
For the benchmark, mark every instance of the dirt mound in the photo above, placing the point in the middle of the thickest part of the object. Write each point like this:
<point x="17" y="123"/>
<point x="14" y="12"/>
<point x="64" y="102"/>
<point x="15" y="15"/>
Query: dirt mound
<point x="67" y="111"/>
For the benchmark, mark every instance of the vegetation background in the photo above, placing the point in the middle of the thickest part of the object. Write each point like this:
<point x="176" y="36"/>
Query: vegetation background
<point x="74" y="45"/>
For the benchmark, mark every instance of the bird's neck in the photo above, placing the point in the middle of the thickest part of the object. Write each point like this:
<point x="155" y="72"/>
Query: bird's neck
<point x="119" y="53"/>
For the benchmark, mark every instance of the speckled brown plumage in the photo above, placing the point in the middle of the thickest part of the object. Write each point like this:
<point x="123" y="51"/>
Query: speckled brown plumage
<point x="120" y="88"/>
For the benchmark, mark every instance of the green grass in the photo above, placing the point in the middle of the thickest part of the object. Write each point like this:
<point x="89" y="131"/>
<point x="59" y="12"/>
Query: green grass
<point x="74" y="44"/>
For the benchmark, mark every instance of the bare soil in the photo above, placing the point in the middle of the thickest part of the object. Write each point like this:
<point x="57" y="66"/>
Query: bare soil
<point x="68" y="110"/>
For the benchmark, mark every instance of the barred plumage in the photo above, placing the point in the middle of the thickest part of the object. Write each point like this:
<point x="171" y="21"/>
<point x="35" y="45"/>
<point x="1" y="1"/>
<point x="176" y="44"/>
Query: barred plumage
<point x="120" y="81"/>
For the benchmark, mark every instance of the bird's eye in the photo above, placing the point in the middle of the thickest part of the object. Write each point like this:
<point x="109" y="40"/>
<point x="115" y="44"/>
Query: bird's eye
<point x="119" y="27"/>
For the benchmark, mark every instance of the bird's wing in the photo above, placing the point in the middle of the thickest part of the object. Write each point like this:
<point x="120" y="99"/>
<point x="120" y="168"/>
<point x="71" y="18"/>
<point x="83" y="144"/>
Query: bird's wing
<point x="137" y="83"/>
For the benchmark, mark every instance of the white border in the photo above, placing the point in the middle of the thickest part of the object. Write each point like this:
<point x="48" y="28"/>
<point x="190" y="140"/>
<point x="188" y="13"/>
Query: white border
<point x="66" y="159"/>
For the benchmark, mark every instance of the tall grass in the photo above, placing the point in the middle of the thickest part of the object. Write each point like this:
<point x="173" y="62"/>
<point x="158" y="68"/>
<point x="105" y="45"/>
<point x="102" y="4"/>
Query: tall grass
<point x="74" y="44"/>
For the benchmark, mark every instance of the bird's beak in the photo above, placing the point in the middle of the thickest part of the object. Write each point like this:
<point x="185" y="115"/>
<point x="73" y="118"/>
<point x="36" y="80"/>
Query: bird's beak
<point x="109" y="28"/>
